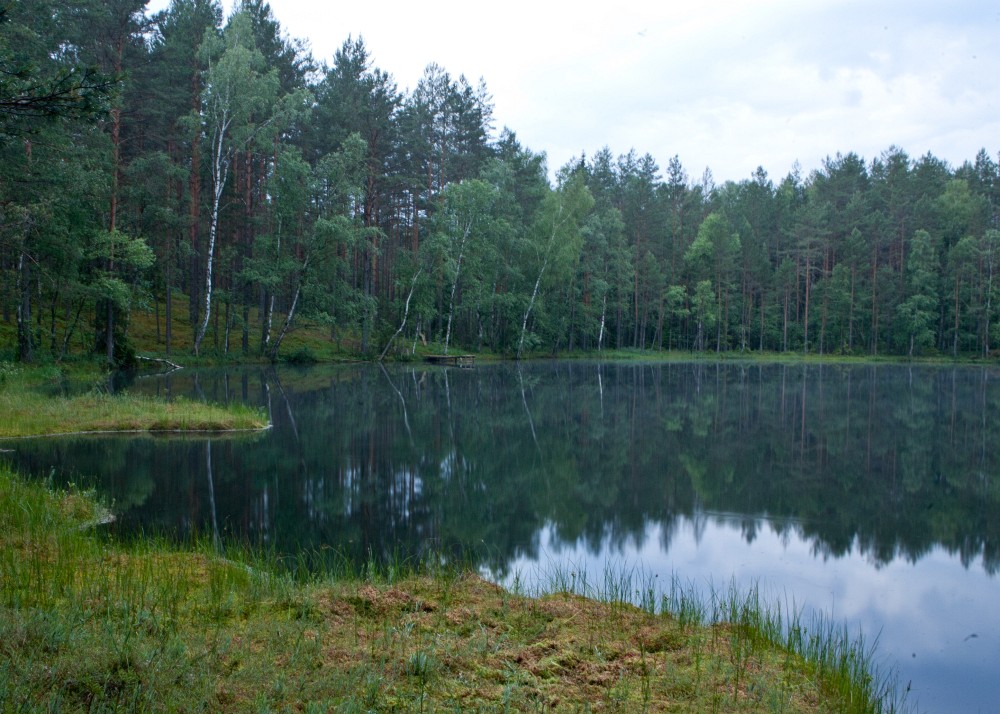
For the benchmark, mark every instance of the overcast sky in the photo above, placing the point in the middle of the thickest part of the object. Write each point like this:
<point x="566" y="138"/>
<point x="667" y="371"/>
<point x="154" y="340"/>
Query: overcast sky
<point x="724" y="84"/>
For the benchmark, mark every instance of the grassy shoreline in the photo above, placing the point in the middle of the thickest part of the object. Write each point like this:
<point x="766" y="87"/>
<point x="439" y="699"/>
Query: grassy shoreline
<point x="310" y="342"/>
<point x="87" y="623"/>
<point x="25" y="411"/>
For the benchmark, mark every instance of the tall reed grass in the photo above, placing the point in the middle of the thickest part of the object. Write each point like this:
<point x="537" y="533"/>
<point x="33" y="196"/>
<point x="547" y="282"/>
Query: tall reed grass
<point x="89" y="623"/>
<point x="846" y="663"/>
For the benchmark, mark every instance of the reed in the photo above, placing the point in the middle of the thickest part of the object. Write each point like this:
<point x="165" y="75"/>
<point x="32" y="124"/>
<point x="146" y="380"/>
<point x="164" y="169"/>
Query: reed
<point x="746" y="627"/>
<point x="91" y="623"/>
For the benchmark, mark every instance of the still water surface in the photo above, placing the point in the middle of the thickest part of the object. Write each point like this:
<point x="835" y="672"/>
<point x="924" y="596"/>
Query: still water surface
<point x="871" y="493"/>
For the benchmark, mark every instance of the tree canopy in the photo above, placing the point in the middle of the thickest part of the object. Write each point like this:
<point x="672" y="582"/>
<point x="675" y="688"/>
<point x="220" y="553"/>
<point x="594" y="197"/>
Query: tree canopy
<point x="146" y="158"/>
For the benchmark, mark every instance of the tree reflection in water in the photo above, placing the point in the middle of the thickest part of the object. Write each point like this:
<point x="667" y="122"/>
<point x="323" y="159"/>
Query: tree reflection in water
<point x="389" y="462"/>
<point x="858" y="478"/>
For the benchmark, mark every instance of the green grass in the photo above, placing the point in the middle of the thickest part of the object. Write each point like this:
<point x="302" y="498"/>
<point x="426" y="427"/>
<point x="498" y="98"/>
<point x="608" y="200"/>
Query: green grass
<point x="25" y="410"/>
<point x="90" y="624"/>
<point x="311" y="341"/>
<point x="307" y="341"/>
<point x="741" y="626"/>
<point x="762" y="357"/>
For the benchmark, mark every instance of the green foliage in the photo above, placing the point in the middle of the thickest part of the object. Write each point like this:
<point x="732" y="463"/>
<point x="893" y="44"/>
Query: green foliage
<point x="270" y="189"/>
<point x="39" y="80"/>
<point x="714" y="250"/>
<point x="7" y="372"/>
<point x="302" y="355"/>
<point x="919" y="311"/>
<point x="128" y="257"/>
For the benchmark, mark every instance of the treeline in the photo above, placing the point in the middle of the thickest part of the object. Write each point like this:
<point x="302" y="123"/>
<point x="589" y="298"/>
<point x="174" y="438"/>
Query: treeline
<point x="146" y="157"/>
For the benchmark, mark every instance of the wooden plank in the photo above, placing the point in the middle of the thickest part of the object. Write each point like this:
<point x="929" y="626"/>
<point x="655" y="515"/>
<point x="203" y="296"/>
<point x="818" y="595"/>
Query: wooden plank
<point x="455" y="360"/>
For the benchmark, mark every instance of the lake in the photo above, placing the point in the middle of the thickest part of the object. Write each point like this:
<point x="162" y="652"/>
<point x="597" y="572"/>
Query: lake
<point x="870" y="493"/>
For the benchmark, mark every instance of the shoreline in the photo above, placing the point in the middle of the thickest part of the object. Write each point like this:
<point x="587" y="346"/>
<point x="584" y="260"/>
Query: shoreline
<point x="181" y="627"/>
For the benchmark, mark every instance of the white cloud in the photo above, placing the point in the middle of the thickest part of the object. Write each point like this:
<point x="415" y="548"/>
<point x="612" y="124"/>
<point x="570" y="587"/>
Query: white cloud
<point x="932" y="619"/>
<point x="728" y="84"/>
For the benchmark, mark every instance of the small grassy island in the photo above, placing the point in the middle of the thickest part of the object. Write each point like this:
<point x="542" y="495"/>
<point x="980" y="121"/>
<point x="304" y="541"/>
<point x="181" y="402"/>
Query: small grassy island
<point x="25" y="411"/>
<point x="91" y="623"/>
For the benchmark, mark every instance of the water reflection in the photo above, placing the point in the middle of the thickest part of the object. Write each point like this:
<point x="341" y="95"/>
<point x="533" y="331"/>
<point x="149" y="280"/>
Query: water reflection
<point x="506" y="465"/>
<point x="935" y="621"/>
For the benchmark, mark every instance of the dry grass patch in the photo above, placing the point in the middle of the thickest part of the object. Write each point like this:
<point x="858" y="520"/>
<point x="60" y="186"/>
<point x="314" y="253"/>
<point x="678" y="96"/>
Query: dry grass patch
<point x="86" y="624"/>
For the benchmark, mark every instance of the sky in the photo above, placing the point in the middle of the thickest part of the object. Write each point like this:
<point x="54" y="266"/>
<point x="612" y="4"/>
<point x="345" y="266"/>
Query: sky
<point x="727" y="85"/>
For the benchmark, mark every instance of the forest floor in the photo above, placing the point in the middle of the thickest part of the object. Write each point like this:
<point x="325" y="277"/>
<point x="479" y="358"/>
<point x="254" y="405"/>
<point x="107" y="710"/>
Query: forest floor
<point x="88" y="623"/>
<point x="310" y="341"/>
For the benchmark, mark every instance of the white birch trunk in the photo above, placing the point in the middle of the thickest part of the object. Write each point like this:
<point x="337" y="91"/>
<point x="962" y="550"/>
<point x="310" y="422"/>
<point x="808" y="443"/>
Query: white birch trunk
<point x="531" y="304"/>
<point x="454" y="285"/>
<point x="538" y="281"/>
<point x="220" y="172"/>
<point x="406" y="314"/>
<point x="989" y="300"/>
<point x="268" y="320"/>
<point x="287" y="323"/>
<point x="600" y="334"/>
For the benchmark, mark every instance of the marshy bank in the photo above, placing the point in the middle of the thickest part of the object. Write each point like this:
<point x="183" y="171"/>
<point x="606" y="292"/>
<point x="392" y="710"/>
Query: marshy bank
<point x="91" y="623"/>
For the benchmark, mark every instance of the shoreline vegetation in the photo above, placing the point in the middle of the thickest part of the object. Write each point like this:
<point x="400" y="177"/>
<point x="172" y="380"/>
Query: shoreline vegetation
<point x="27" y="411"/>
<point x="309" y="342"/>
<point x="90" y="623"/>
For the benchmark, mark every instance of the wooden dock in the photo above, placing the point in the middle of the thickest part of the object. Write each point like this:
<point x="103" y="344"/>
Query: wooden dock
<point x="452" y="360"/>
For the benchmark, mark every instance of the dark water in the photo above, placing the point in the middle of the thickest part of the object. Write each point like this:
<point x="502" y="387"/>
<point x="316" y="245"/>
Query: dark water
<point x="871" y="493"/>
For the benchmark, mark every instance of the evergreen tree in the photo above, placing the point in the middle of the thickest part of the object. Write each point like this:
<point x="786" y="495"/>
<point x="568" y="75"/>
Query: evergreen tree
<point x="918" y="313"/>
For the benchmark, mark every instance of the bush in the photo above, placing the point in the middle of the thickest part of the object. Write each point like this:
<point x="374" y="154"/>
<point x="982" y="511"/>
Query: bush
<point x="303" y="355"/>
<point x="7" y="371"/>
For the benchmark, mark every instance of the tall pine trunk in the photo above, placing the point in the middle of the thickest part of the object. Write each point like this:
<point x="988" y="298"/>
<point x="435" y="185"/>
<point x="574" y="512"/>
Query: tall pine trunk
<point x="194" y="214"/>
<point x="25" y="343"/>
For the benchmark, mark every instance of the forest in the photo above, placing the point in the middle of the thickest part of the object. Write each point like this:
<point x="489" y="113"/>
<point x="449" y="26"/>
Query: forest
<point x="186" y="162"/>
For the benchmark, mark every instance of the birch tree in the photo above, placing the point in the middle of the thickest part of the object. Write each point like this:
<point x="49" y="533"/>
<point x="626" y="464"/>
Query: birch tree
<point x="238" y="102"/>
<point x="713" y="255"/>
<point x="308" y="229"/>
<point x="555" y="240"/>
<point x="990" y="256"/>
<point x="462" y="225"/>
